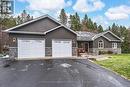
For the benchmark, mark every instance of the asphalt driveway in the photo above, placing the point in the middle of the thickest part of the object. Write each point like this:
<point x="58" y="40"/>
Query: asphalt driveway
<point x="59" y="73"/>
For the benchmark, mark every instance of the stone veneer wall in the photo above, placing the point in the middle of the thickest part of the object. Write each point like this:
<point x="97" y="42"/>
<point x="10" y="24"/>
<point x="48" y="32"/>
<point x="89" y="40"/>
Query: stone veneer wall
<point x="13" y="53"/>
<point x="48" y="51"/>
<point x="96" y="50"/>
<point x="74" y="51"/>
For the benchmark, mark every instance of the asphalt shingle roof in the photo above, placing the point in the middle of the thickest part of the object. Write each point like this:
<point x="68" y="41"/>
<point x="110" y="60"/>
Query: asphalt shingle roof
<point x="85" y="36"/>
<point x="90" y="36"/>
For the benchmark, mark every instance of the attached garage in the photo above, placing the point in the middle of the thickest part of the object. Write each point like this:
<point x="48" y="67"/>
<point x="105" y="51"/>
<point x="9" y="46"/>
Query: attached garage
<point x="40" y="38"/>
<point x="61" y="48"/>
<point x="31" y="48"/>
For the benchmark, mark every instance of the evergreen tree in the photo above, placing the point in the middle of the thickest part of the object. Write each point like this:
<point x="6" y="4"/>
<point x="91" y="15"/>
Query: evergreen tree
<point x="114" y="28"/>
<point x="18" y="20"/>
<point x="84" y="23"/>
<point x="8" y="22"/>
<point x="71" y="22"/>
<point x="28" y="18"/>
<point x="109" y="28"/>
<point x="75" y="22"/>
<point x="86" y="18"/>
<point x="123" y="33"/>
<point x="126" y="44"/>
<point x="100" y="29"/>
<point x="95" y="26"/>
<point x="23" y="17"/>
<point x="90" y="25"/>
<point x="63" y="17"/>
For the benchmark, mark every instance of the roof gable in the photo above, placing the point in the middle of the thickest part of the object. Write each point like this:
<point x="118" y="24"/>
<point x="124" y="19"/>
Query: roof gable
<point x="42" y="28"/>
<point x="103" y="37"/>
<point x="40" y="24"/>
<point x="111" y="36"/>
<point x="59" y="28"/>
<point x="108" y="35"/>
<point x="61" y="32"/>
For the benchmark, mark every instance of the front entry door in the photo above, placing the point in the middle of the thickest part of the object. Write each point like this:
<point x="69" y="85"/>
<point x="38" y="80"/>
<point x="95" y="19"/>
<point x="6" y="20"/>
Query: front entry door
<point x="87" y="47"/>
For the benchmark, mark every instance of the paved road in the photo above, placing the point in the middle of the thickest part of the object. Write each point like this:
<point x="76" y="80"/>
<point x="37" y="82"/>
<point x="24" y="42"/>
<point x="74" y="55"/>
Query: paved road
<point x="59" y="73"/>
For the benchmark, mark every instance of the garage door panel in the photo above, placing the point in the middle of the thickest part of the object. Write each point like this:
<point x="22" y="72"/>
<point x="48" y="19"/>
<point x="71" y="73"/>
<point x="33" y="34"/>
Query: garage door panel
<point x="61" y="48"/>
<point x="31" y="48"/>
<point x="25" y="49"/>
<point x="37" y="44"/>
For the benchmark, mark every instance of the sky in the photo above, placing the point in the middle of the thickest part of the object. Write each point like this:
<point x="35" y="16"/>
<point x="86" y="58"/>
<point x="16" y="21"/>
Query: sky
<point x="104" y="12"/>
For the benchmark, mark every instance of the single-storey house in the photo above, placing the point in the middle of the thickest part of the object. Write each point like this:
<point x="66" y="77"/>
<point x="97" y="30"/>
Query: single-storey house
<point x="46" y="37"/>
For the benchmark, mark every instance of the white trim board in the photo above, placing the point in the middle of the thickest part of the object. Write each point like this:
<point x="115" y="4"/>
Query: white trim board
<point x="59" y="27"/>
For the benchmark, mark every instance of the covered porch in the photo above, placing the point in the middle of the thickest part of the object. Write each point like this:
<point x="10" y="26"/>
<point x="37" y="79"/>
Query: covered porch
<point x="84" y="47"/>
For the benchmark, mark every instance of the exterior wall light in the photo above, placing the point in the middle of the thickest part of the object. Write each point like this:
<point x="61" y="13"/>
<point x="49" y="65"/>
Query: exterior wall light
<point x="14" y="39"/>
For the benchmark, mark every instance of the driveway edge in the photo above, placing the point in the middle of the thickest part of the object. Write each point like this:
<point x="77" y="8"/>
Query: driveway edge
<point x="110" y="70"/>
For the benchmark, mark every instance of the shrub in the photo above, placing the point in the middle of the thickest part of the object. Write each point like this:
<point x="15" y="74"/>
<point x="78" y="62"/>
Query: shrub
<point x="105" y="52"/>
<point x="110" y="52"/>
<point x="102" y="52"/>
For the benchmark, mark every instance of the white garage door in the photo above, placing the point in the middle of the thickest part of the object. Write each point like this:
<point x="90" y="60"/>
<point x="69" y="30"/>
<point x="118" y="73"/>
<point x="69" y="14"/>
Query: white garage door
<point x="31" y="48"/>
<point x="61" y="48"/>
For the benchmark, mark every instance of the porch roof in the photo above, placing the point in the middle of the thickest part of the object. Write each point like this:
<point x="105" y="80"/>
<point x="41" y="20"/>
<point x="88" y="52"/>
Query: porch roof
<point x="85" y="36"/>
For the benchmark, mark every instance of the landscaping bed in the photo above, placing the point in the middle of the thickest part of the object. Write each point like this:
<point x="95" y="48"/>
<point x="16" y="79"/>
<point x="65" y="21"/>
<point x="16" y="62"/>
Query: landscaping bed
<point x="118" y="63"/>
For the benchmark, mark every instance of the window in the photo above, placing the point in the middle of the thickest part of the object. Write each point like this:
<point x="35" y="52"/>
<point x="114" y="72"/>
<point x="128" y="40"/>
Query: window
<point x="80" y="45"/>
<point x="101" y="44"/>
<point x="114" y="45"/>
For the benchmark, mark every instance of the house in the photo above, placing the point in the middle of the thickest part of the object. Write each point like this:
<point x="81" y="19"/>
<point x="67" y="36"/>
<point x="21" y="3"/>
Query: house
<point x="46" y="37"/>
<point x="42" y="37"/>
<point x="102" y="42"/>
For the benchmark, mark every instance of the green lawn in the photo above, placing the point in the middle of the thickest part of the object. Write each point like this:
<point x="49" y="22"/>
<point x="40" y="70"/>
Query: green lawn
<point x="118" y="63"/>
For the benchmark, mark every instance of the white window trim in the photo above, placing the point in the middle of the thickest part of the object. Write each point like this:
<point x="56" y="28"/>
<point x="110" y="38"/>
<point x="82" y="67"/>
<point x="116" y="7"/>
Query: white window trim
<point x="114" y="45"/>
<point x="102" y="44"/>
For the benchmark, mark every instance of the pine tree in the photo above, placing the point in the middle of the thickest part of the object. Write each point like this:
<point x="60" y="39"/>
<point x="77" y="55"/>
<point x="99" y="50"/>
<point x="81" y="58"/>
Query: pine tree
<point x="75" y="22"/>
<point x="63" y="17"/>
<point x="84" y="23"/>
<point x="114" y="28"/>
<point x="86" y="18"/>
<point x="100" y="29"/>
<point x="9" y="22"/>
<point x="18" y="20"/>
<point x="95" y="26"/>
<point x="28" y="18"/>
<point x="123" y="33"/>
<point x="90" y="25"/>
<point x="23" y="17"/>
<point x="109" y="28"/>
<point x="71" y="22"/>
